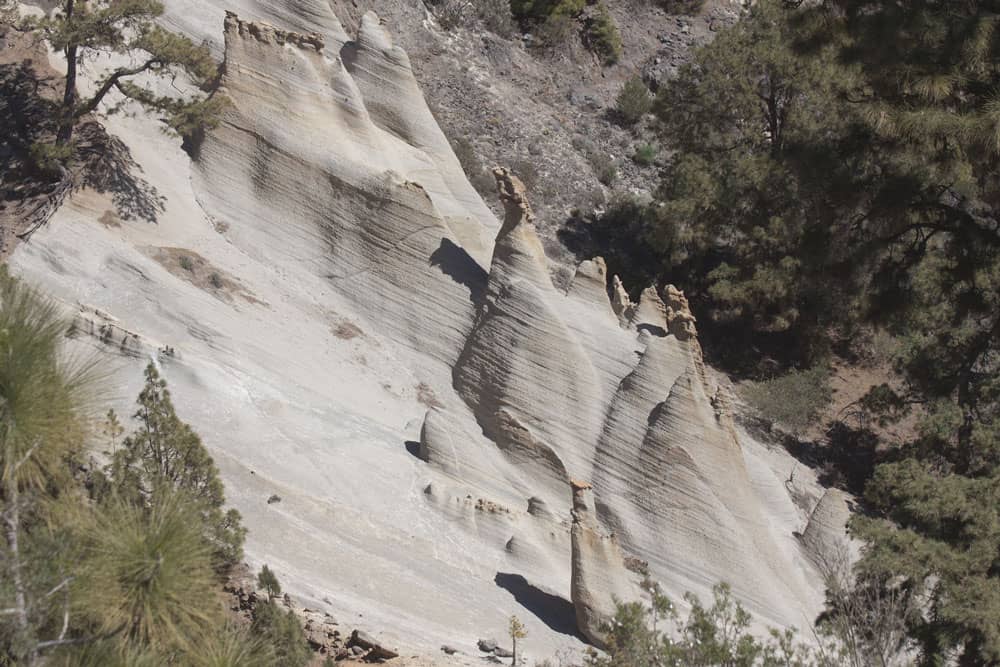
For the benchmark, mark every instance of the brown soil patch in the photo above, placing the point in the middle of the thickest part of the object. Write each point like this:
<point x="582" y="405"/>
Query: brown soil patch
<point x="346" y="330"/>
<point x="195" y="269"/>
<point x="427" y="397"/>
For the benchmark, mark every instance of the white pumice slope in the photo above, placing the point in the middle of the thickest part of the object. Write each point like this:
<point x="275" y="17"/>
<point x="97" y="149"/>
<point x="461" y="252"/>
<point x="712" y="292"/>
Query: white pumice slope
<point x="361" y="337"/>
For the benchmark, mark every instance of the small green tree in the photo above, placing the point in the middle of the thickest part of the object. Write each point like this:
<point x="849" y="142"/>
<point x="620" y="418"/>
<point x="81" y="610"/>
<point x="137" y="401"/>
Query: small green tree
<point x="148" y="574"/>
<point x="166" y="452"/>
<point x="710" y="636"/>
<point x="634" y="101"/>
<point x="516" y="630"/>
<point x="602" y="35"/>
<point x="282" y="631"/>
<point x="267" y="580"/>
<point x="82" y="29"/>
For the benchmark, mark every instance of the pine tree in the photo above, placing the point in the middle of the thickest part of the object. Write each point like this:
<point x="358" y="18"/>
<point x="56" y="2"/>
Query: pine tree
<point x="166" y="454"/>
<point x="148" y="576"/>
<point x="83" y="28"/>
<point x="42" y="425"/>
<point x="515" y="630"/>
<point x="282" y="631"/>
<point x="267" y="580"/>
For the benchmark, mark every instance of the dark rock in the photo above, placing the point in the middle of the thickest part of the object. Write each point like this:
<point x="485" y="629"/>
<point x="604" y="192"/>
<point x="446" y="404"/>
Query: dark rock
<point x="501" y="652"/>
<point x="376" y="651"/>
<point x="450" y="650"/>
<point x="487" y="645"/>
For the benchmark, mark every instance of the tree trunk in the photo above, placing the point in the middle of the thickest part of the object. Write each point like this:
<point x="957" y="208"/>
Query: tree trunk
<point x="12" y="527"/>
<point x="67" y="116"/>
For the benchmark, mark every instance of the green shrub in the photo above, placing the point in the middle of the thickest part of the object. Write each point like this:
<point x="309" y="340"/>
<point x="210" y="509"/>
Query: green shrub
<point x="794" y="399"/>
<point x="268" y="580"/>
<point x="604" y="167"/>
<point x="717" y="634"/>
<point x="216" y="280"/>
<point x="186" y="263"/>
<point x="282" y="631"/>
<point x="634" y="101"/>
<point x="645" y="155"/>
<point x="543" y="9"/>
<point x="602" y="36"/>
<point x="684" y="7"/>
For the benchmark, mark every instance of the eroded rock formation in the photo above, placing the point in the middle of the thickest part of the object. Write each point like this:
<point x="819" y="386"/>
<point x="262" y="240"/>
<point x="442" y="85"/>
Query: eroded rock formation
<point x="331" y="195"/>
<point x="598" y="574"/>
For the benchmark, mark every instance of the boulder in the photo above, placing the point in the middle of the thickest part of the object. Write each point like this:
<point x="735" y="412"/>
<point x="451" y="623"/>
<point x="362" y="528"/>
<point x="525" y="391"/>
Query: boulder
<point x="487" y="645"/>
<point x="375" y="649"/>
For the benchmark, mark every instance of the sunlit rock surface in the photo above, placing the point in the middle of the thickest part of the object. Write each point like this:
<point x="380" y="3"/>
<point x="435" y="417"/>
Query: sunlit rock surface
<point x="397" y="365"/>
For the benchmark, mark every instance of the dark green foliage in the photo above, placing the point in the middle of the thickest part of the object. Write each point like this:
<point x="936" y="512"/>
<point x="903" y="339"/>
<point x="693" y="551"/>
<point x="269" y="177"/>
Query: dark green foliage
<point x="543" y="9"/>
<point x="850" y="181"/>
<point x="281" y="631"/>
<point x="645" y="155"/>
<point x="794" y="399"/>
<point x="601" y="35"/>
<point x="166" y="453"/>
<point x="634" y="101"/>
<point x="267" y="580"/>
<point x="746" y="212"/>
<point x="688" y="7"/>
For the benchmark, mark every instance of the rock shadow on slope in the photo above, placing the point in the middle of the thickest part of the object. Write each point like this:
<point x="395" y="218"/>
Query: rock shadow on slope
<point x="458" y="265"/>
<point x="556" y="612"/>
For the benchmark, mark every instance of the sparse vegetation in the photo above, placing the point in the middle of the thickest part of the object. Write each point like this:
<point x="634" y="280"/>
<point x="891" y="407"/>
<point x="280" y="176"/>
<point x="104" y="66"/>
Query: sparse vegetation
<point x="604" y="167"/>
<point x="186" y="263"/>
<point x="645" y="155"/>
<point x="480" y="178"/>
<point x="527" y="172"/>
<point x="601" y="35"/>
<point x="215" y="280"/>
<point x="682" y="7"/>
<point x="794" y="399"/>
<point x="634" y="101"/>
<point x="515" y="630"/>
<point x="715" y="635"/>
<point x="494" y="15"/>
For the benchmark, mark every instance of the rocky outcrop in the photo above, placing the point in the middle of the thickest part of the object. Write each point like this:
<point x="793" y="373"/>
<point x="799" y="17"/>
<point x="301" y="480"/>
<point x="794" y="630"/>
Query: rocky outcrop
<point x="335" y="191"/>
<point x="329" y="194"/>
<point x="825" y="538"/>
<point x="598" y="575"/>
<point x="526" y="376"/>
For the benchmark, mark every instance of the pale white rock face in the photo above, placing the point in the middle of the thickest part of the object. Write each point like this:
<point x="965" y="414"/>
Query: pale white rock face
<point x="418" y="394"/>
